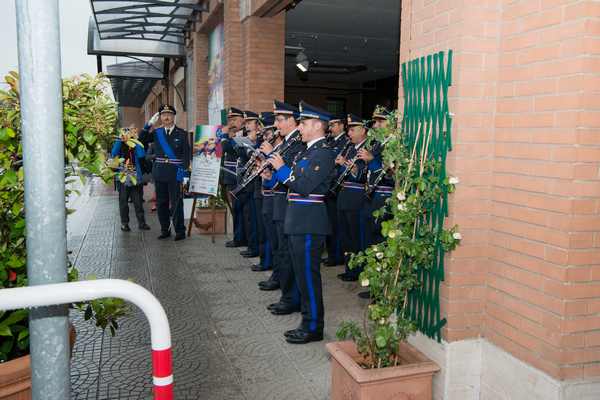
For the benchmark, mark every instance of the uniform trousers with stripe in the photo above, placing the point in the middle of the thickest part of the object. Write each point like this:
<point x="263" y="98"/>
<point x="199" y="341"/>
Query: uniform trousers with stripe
<point x="335" y="254"/>
<point x="169" y="204"/>
<point x="270" y="243"/>
<point x="373" y="225"/>
<point x="353" y="236"/>
<point x="306" y="251"/>
<point x="250" y="216"/>
<point x="237" y="209"/>
<point x="290" y="294"/>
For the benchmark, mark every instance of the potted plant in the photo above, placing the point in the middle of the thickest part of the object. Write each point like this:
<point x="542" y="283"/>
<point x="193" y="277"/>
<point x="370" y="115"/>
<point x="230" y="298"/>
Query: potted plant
<point x="377" y="363"/>
<point x="89" y="120"/>
<point x="210" y="213"/>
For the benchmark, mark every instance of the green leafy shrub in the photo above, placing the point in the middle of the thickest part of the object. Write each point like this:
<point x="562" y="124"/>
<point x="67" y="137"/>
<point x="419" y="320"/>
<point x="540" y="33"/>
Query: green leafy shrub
<point x="89" y="122"/>
<point x="391" y="267"/>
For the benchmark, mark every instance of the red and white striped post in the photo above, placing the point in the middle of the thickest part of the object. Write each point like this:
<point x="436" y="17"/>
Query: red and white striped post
<point x="72" y="292"/>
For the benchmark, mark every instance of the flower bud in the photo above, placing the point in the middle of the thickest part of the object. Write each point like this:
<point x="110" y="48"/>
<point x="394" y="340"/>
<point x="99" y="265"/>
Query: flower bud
<point x="457" y="235"/>
<point x="379" y="255"/>
<point x="364" y="283"/>
<point x="453" y="180"/>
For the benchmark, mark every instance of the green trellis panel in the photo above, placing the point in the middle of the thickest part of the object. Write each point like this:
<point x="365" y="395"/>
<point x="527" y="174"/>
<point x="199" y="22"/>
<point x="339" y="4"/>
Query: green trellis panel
<point x="426" y="81"/>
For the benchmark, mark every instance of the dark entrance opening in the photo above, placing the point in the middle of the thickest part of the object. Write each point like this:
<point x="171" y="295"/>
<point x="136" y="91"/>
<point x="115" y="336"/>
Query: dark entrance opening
<point x="342" y="55"/>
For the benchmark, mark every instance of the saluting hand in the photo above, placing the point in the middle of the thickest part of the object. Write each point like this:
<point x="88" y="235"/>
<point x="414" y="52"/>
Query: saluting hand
<point x="276" y="161"/>
<point x="365" y="155"/>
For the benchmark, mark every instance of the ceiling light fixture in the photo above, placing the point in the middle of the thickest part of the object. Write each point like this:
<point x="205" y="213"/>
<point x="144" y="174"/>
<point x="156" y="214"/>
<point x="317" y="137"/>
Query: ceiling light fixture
<point x="302" y="62"/>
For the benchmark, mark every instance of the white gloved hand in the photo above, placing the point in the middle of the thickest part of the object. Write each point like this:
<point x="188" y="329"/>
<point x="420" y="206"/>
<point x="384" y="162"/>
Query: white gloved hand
<point x="185" y="181"/>
<point x="154" y="119"/>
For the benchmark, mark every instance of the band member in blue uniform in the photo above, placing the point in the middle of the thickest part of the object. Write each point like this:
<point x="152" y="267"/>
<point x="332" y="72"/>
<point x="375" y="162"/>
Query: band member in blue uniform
<point x="379" y="180"/>
<point x="235" y="121"/>
<point x="246" y="196"/>
<point x="285" y="121"/>
<point x="337" y="141"/>
<point x="380" y="183"/>
<point x="351" y="195"/>
<point x="306" y="221"/>
<point x="133" y="159"/>
<point x="172" y="150"/>
<point x="268" y="239"/>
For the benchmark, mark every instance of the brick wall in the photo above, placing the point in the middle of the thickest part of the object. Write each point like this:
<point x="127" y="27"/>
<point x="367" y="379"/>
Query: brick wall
<point x="264" y="42"/>
<point x="527" y="128"/>
<point x="200" y="57"/>
<point x="233" y="58"/>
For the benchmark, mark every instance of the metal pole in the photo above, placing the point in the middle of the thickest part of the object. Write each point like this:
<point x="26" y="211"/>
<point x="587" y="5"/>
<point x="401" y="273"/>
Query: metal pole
<point x="38" y="38"/>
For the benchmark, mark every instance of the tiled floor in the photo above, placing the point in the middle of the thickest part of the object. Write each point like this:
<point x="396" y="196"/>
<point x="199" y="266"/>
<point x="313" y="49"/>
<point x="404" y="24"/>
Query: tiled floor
<point x="227" y="346"/>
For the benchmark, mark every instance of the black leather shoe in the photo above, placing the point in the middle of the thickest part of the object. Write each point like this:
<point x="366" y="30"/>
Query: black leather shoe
<point x="291" y="332"/>
<point x="274" y="305"/>
<point x="125" y="228"/>
<point x="164" y="235"/>
<point x="233" y="243"/>
<point x="179" y="236"/>
<point x="144" y="227"/>
<point x="259" y="268"/>
<point x="364" y="295"/>
<point x="285" y="310"/>
<point x="268" y="286"/>
<point x="303" y="337"/>
<point x="248" y="253"/>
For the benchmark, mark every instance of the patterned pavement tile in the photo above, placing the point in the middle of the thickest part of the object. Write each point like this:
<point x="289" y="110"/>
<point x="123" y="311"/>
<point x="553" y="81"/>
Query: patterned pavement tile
<point x="226" y="345"/>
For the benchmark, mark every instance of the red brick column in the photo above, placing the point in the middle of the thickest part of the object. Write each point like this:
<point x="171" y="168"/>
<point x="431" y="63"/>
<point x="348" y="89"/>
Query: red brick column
<point x="200" y="57"/>
<point x="526" y="95"/>
<point x="233" y="57"/>
<point x="264" y="53"/>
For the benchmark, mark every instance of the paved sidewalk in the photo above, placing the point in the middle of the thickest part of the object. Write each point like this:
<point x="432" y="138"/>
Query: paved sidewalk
<point x="227" y="346"/>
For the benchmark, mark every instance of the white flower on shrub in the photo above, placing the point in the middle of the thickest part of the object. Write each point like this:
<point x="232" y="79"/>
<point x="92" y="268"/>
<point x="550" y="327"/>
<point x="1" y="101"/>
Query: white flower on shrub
<point x="364" y="283"/>
<point x="400" y="196"/>
<point x="457" y="235"/>
<point x="379" y="255"/>
<point x="392" y="234"/>
<point x="378" y="268"/>
<point x="453" y="180"/>
<point x="401" y="207"/>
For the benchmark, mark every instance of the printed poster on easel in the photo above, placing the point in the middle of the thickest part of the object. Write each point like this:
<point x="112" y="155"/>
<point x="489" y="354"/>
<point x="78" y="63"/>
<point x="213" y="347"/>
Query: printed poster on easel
<point x="206" y="162"/>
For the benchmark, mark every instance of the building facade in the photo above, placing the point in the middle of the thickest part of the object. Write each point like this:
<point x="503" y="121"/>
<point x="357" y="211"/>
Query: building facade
<point x="522" y="292"/>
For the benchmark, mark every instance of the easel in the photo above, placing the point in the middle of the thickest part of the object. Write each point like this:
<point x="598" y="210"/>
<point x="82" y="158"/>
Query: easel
<point x="213" y="219"/>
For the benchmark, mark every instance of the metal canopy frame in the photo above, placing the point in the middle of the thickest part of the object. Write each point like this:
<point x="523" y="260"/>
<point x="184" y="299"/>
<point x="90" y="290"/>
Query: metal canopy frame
<point x="155" y="20"/>
<point x="146" y="28"/>
<point x="132" y="81"/>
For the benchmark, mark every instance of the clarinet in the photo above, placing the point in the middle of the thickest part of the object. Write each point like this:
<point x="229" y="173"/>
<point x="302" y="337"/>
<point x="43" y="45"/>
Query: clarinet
<point x="338" y="183"/>
<point x="250" y="178"/>
<point x="370" y="188"/>
<point x="249" y="166"/>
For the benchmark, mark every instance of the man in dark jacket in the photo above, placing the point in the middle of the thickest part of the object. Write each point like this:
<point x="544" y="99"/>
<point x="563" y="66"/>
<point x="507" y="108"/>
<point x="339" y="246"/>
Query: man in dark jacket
<point x="171" y="165"/>
<point x="306" y="221"/>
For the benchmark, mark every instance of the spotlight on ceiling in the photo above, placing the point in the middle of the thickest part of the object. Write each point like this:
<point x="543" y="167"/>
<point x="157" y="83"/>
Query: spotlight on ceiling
<point x="302" y="62"/>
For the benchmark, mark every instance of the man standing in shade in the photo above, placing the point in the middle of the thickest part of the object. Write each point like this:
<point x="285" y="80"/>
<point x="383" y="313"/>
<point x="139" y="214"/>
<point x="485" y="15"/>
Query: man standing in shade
<point x="306" y="221"/>
<point x="171" y="165"/>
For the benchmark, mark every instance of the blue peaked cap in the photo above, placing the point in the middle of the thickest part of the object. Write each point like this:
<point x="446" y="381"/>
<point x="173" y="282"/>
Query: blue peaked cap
<point x="267" y="118"/>
<point x="307" y="112"/>
<point x="279" y="107"/>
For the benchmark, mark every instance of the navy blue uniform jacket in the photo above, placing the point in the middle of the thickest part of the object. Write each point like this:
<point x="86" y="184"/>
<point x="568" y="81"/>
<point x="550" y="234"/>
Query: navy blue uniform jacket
<point x="178" y="140"/>
<point x="308" y="180"/>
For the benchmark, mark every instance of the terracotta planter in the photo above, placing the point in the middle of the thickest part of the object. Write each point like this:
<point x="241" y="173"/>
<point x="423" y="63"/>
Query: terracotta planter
<point x="15" y="375"/>
<point x="410" y="381"/>
<point x="15" y="379"/>
<point x="204" y="223"/>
